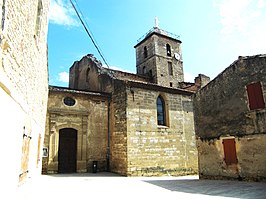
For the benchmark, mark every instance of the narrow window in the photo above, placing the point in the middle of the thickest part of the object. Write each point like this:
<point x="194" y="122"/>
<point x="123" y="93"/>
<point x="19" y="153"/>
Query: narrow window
<point x="171" y="84"/>
<point x="255" y="96"/>
<point x="150" y="73"/>
<point x="87" y="74"/>
<point x="144" y="70"/>
<point x="38" y="19"/>
<point x="145" y="52"/>
<point x="230" y="151"/>
<point x="170" y="68"/>
<point x="160" y="111"/>
<point x="168" y="50"/>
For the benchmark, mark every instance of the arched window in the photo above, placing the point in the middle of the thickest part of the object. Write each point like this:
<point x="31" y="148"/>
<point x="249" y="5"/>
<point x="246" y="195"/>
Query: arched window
<point x="160" y="111"/>
<point x="145" y="52"/>
<point x="168" y="50"/>
<point x="144" y="70"/>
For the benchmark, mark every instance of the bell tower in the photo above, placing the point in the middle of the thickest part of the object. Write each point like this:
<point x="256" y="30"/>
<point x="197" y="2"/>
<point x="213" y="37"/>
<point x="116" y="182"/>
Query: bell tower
<point x="158" y="55"/>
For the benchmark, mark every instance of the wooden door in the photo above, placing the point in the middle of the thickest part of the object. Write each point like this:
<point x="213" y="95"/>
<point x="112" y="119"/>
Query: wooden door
<point x="67" y="152"/>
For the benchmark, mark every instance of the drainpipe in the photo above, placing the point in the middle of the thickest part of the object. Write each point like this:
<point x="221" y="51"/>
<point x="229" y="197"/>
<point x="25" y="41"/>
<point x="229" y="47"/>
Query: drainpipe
<point x="108" y="140"/>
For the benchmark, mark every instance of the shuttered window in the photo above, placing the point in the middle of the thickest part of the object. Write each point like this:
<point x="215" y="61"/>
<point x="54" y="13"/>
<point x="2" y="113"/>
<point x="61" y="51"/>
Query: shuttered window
<point x="25" y="156"/>
<point x="255" y="96"/>
<point x="230" y="151"/>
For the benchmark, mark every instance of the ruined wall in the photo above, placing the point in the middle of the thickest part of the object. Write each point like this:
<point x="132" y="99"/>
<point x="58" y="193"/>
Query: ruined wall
<point x="23" y="87"/>
<point x="89" y="117"/>
<point x="155" y="150"/>
<point x="83" y="74"/>
<point x="222" y="111"/>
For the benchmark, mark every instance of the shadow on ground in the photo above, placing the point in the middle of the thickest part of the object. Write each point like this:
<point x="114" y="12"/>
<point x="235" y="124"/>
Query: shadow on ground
<point x="224" y="188"/>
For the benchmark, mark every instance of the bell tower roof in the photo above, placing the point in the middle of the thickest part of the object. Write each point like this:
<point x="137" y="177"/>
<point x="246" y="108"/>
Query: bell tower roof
<point x="158" y="31"/>
<point x="159" y="56"/>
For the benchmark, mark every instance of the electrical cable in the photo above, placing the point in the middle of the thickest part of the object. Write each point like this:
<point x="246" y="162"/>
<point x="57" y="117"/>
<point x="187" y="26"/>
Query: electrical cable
<point x="87" y="31"/>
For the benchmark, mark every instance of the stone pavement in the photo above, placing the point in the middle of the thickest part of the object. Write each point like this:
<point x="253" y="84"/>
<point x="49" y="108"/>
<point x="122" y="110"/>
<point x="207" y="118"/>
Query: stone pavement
<point x="108" y="185"/>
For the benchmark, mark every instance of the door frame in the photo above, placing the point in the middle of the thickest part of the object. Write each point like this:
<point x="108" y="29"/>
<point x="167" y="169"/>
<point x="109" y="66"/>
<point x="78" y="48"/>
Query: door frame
<point x="63" y="158"/>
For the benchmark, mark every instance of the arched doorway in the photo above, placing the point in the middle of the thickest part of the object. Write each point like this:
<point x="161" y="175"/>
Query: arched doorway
<point x="67" y="152"/>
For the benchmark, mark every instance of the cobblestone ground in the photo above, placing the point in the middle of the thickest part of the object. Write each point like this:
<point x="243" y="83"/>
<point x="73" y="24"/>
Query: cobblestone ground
<point x="108" y="185"/>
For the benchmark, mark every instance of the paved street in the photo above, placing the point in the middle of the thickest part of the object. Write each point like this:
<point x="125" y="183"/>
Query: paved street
<point x="108" y="185"/>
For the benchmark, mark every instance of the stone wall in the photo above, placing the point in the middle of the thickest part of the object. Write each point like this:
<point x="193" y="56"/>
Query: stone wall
<point x="23" y="87"/>
<point x="83" y="74"/>
<point x="89" y="116"/>
<point x="160" y="150"/>
<point x="250" y="154"/>
<point x="157" y="59"/>
<point x="222" y="111"/>
<point x="119" y="132"/>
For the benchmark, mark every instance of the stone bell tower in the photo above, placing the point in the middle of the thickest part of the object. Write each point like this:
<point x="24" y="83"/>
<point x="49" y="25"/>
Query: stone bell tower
<point x="158" y="55"/>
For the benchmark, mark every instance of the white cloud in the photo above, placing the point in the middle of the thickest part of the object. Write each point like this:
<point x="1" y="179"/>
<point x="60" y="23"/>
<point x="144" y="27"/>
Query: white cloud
<point x="119" y="69"/>
<point x="243" y="25"/>
<point x="63" y="77"/>
<point x="189" y="77"/>
<point x="62" y="13"/>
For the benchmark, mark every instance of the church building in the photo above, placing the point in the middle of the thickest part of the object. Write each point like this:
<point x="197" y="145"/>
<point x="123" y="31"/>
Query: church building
<point x="131" y="124"/>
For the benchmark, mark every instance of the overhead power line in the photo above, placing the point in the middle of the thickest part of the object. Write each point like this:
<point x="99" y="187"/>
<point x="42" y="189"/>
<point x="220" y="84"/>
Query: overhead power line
<point x="88" y="32"/>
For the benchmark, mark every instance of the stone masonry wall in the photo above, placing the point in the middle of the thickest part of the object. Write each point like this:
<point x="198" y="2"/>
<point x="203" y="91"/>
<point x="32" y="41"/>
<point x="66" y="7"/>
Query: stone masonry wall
<point x="89" y="117"/>
<point x="119" y="132"/>
<point x="23" y="87"/>
<point x="157" y="60"/>
<point x="223" y="104"/>
<point x="222" y="111"/>
<point x="160" y="150"/>
<point x="162" y="60"/>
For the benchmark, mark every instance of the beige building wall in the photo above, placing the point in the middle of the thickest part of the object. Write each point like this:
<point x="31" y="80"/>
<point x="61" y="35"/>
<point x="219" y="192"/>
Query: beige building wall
<point x="89" y="116"/>
<point x="23" y="88"/>
<point x="140" y="147"/>
<point x="250" y="154"/>
<point x="155" y="150"/>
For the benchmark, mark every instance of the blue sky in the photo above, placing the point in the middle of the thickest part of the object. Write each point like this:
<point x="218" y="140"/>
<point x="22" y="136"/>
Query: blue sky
<point x="213" y="32"/>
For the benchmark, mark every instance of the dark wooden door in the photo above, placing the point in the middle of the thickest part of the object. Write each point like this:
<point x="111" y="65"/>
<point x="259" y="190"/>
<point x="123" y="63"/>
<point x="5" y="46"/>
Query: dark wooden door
<point x="67" y="152"/>
<point x="230" y="156"/>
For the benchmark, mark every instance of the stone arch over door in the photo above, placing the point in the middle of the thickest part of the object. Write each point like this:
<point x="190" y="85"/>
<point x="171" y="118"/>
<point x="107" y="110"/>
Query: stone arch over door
<point x="81" y="153"/>
<point x="67" y="150"/>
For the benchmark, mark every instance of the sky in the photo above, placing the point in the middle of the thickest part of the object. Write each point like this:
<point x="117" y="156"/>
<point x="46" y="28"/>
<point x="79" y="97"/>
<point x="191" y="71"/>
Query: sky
<point x="213" y="32"/>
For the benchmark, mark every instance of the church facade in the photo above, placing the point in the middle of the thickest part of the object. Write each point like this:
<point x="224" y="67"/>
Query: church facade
<point x="132" y="124"/>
